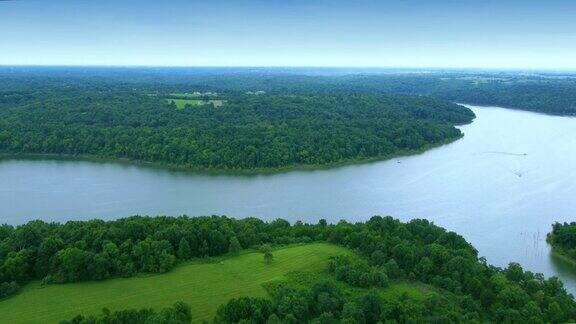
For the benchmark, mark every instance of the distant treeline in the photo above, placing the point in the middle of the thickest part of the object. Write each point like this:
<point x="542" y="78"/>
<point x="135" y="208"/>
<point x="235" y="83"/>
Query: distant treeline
<point x="388" y="250"/>
<point x="553" y="93"/>
<point x="179" y="313"/>
<point x="269" y="131"/>
<point x="546" y="94"/>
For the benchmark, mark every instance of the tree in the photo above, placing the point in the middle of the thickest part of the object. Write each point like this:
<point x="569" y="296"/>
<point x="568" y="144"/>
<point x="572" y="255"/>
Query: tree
<point x="48" y="249"/>
<point x="16" y="266"/>
<point x="378" y="257"/>
<point x="8" y="289"/>
<point x="184" y="251"/>
<point x="554" y="312"/>
<point x="273" y="319"/>
<point x="326" y="297"/>
<point x="235" y="246"/>
<point x="267" y="251"/>
<point x="72" y="264"/>
<point x="268" y="257"/>
<point x="98" y="266"/>
<point x="425" y="267"/>
<point x="351" y="313"/>
<point x="371" y="306"/>
<point x="291" y="301"/>
<point x="204" y="249"/>
<point x="166" y="262"/>
<point x="325" y="318"/>
<point x="393" y="270"/>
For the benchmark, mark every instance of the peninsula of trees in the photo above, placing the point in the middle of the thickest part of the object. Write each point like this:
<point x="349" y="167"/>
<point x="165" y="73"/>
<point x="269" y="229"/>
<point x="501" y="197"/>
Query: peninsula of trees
<point x="241" y="132"/>
<point x="253" y="119"/>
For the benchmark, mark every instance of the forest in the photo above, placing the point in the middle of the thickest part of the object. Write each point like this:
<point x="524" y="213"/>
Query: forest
<point x="546" y="92"/>
<point x="249" y="132"/>
<point x="272" y="118"/>
<point x="552" y="94"/>
<point x="388" y="250"/>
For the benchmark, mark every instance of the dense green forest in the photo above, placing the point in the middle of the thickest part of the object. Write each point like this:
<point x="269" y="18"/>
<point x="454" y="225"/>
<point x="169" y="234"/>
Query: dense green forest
<point x="267" y="131"/>
<point x="387" y="249"/>
<point x="563" y="239"/>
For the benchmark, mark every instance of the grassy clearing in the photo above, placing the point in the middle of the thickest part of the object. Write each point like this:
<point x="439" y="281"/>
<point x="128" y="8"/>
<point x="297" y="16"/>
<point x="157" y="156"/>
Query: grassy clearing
<point x="203" y="285"/>
<point x="181" y="103"/>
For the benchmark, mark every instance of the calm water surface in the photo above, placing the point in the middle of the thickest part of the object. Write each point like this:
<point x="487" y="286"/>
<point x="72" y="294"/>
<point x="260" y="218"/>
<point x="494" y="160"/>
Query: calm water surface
<point x="501" y="187"/>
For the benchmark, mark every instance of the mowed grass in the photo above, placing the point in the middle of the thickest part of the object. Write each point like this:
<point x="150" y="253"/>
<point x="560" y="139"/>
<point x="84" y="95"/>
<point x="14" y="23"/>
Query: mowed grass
<point x="203" y="285"/>
<point x="181" y="103"/>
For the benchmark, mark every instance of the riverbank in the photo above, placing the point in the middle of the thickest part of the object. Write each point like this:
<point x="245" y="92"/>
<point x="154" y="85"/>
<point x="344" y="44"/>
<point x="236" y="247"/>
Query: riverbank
<point x="558" y="253"/>
<point x="519" y="108"/>
<point x="563" y="233"/>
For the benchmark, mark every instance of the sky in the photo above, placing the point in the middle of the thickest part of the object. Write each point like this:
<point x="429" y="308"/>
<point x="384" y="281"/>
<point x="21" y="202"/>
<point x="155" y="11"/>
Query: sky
<point x="500" y="34"/>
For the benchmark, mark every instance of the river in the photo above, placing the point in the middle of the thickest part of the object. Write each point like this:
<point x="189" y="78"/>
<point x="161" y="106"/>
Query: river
<point x="501" y="187"/>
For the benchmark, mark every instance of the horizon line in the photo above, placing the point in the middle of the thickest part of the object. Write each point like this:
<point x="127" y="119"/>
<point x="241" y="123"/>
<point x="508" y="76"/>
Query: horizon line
<point x="526" y="69"/>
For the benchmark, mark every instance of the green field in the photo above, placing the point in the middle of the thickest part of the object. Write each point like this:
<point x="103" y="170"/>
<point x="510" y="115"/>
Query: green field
<point x="181" y="103"/>
<point x="202" y="285"/>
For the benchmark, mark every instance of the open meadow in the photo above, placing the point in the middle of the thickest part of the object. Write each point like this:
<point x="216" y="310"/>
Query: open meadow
<point x="181" y="103"/>
<point x="204" y="285"/>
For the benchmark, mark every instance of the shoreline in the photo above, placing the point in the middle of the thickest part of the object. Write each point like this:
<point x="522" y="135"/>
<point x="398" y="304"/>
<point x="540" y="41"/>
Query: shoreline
<point x="467" y="104"/>
<point x="220" y="172"/>
<point x="558" y="252"/>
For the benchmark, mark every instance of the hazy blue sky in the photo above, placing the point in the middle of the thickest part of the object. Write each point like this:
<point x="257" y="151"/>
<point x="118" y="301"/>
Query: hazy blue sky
<point x="396" y="33"/>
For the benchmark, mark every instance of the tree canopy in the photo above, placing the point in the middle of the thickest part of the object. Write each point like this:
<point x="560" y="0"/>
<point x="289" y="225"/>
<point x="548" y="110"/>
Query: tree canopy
<point x="268" y="131"/>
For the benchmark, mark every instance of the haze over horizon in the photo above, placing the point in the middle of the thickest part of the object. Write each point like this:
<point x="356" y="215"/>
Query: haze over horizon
<point x="506" y="34"/>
